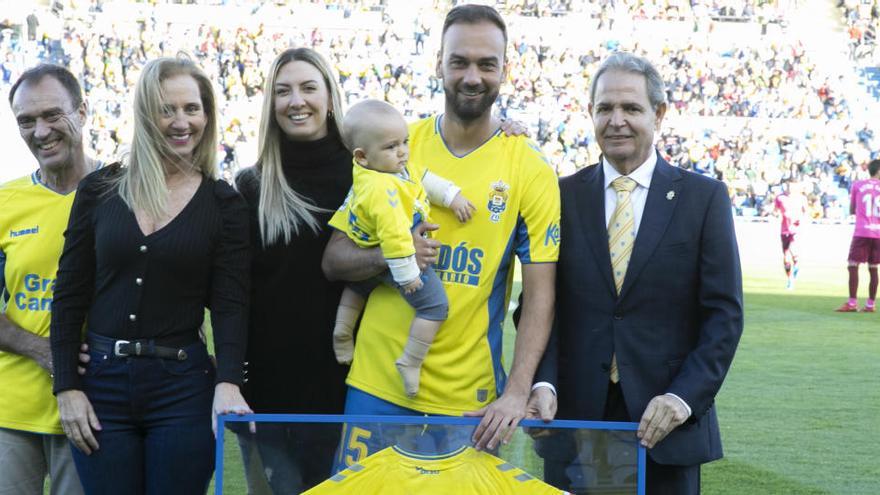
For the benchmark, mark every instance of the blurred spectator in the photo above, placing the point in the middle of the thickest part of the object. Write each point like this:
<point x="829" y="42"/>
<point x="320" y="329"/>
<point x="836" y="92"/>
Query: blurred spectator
<point x="862" y="17"/>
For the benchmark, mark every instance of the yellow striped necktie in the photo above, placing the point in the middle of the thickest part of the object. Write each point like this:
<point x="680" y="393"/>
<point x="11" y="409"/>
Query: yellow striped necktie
<point x="621" y="237"/>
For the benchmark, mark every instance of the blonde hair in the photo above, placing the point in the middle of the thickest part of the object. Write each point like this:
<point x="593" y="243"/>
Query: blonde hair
<point x="282" y="210"/>
<point x="142" y="183"/>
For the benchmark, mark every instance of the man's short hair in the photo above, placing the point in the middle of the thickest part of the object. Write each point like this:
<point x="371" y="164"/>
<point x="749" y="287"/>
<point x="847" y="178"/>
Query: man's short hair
<point x="873" y="167"/>
<point x="62" y="75"/>
<point x="627" y="62"/>
<point x="474" y="14"/>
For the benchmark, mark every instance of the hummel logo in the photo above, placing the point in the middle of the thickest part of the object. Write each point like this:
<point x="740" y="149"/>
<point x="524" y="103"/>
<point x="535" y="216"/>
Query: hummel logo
<point x="19" y="233"/>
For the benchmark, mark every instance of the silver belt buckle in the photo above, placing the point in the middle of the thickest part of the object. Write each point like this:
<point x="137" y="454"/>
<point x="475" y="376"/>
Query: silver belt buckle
<point x="116" y="345"/>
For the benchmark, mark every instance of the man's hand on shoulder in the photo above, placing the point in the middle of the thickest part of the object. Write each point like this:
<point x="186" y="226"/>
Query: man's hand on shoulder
<point x="512" y="127"/>
<point x="500" y="420"/>
<point x="663" y="414"/>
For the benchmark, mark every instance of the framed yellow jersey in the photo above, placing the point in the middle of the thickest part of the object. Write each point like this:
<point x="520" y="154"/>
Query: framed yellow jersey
<point x="516" y="195"/>
<point x="466" y="471"/>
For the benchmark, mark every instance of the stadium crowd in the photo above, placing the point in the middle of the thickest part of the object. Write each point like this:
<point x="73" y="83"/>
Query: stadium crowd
<point x="547" y="85"/>
<point x="181" y="95"/>
<point x="862" y="18"/>
<point x="723" y="10"/>
<point x="755" y="163"/>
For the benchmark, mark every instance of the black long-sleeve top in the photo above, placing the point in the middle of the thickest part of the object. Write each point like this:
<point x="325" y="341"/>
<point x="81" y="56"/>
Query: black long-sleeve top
<point x="129" y="286"/>
<point x="292" y="368"/>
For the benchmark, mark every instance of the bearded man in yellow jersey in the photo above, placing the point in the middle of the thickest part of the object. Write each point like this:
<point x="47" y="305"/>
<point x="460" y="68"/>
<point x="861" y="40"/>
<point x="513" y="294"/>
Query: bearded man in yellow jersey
<point x="50" y="112"/>
<point x="517" y="198"/>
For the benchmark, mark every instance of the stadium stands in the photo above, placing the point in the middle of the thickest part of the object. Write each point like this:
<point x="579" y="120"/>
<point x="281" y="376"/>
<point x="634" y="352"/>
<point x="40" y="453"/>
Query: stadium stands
<point x="748" y="105"/>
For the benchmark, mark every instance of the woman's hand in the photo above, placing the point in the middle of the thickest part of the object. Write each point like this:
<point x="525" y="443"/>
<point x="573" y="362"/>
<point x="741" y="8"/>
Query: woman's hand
<point x="78" y="419"/>
<point x="228" y="400"/>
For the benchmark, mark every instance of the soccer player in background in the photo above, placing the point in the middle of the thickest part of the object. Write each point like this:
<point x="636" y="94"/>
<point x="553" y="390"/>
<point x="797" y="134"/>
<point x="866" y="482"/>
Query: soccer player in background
<point x="791" y="207"/>
<point x="865" y="245"/>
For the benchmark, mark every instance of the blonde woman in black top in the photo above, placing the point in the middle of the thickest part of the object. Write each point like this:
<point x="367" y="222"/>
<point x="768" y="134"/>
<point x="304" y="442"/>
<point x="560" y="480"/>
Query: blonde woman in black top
<point x="302" y="175"/>
<point x="149" y="246"/>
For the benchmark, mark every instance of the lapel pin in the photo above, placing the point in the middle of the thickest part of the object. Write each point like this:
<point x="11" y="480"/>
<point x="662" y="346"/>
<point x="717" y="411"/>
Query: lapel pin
<point x="670" y="195"/>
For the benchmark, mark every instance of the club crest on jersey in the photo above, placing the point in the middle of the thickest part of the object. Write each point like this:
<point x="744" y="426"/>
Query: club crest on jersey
<point x="497" y="200"/>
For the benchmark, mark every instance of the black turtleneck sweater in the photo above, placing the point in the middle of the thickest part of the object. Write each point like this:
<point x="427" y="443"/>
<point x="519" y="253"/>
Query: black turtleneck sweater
<point x="291" y="367"/>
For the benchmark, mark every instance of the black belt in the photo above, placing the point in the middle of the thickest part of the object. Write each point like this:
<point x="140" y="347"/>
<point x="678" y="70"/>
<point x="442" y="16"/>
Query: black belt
<point x="139" y="348"/>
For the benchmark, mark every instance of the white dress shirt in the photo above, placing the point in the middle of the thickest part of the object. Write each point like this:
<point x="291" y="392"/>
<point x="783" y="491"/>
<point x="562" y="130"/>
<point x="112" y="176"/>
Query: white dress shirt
<point x="638" y="196"/>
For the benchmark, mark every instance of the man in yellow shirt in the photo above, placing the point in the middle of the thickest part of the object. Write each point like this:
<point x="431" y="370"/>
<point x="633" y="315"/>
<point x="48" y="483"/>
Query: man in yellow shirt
<point x="517" y="199"/>
<point x="50" y="112"/>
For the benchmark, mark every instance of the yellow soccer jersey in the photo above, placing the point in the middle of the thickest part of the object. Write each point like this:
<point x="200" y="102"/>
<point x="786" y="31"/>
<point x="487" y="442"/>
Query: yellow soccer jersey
<point x="383" y="208"/>
<point x="394" y="471"/>
<point x="32" y="223"/>
<point x="516" y="195"/>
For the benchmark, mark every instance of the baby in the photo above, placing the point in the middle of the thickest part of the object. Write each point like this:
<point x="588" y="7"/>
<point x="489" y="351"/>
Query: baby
<point x="389" y="197"/>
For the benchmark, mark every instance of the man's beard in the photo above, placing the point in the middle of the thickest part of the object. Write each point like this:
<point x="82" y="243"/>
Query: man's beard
<point x="470" y="110"/>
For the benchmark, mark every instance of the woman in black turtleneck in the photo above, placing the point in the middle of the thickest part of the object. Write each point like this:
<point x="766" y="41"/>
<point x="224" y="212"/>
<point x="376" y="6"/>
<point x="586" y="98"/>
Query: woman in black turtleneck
<point x="302" y="175"/>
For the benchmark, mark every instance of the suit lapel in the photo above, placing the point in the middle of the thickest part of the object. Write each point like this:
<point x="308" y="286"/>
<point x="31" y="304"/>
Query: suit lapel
<point x="659" y="208"/>
<point x="591" y="212"/>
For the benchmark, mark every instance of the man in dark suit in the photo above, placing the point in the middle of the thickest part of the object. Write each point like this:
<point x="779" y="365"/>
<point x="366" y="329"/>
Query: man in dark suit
<point x="649" y="290"/>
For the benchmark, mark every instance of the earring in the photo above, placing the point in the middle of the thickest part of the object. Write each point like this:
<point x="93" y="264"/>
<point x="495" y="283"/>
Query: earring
<point x="329" y="114"/>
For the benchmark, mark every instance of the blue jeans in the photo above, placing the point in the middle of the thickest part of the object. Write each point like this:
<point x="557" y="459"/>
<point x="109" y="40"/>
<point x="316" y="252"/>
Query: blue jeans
<point x="155" y="416"/>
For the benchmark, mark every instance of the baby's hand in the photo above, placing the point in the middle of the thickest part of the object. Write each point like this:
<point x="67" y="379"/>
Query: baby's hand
<point x="462" y="208"/>
<point x="413" y="286"/>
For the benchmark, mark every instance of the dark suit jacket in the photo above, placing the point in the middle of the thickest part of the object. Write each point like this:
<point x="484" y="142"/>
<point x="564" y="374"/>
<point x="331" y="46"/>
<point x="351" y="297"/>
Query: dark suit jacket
<point x="679" y="317"/>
